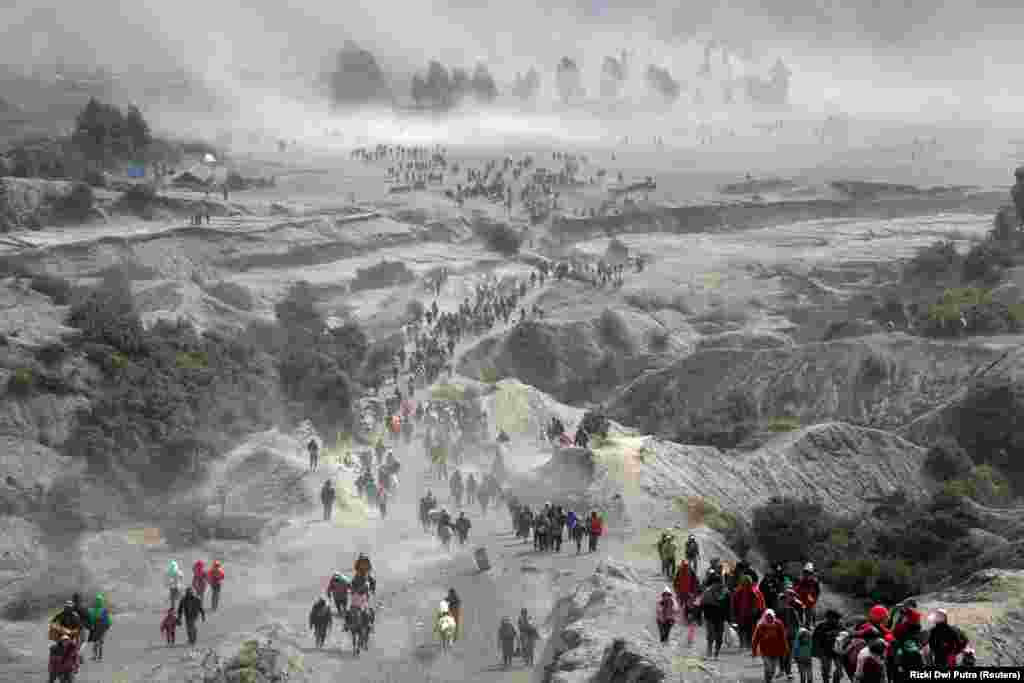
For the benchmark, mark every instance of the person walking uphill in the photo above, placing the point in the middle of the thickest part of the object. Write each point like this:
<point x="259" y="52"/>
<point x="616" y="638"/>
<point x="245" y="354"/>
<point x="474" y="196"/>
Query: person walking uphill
<point x="191" y="607"/>
<point x="199" y="580"/>
<point x="175" y="580"/>
<point x="715" y="607"/>
<point x="507" y="641"/>
<point x="64" y="660"/>
<point x="216" y="577"/>
<point x="327" y="496"/>
<point x="667" y="553"/>
<point x="99" y="623"/>
<point x="747" y="606"/>
<point x="667" y="613"/>
<point x="596" y="530"/>
<point x="823" y="647"/>
<point x="169" y="627"/>
<point x="808" y="589"/>
<point x="770" y="643"/>
<point x="693" y="553"/>
<point x="314" y="455"/>
<point x="320" y="620"/>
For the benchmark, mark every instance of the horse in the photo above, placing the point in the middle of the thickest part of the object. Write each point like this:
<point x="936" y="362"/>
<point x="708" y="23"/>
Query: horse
<point x="357" y="623"/>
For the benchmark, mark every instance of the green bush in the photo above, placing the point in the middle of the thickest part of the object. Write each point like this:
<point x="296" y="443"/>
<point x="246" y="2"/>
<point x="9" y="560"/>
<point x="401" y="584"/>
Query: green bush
<point x="78" y="204"/>
<point x="107" y="315"/>
<point x="783" y="424"/>
<point x="985" y="261"/>
<point x="489" y="375"/>
<point x="987" y="424"/>
<point x="947" y="460"/>
<point x="21" y="381"/>
<point x="595" y="424"/>
<point x="57" y="288"/>
<point x="499" y="237"/>
<point x="937" y="261"/>
<point x="984" y="484"/>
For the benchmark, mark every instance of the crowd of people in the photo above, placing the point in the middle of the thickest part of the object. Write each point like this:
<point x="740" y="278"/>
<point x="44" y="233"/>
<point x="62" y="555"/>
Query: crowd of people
<point x="68" y="627"/>
<point x="775" y="617"/>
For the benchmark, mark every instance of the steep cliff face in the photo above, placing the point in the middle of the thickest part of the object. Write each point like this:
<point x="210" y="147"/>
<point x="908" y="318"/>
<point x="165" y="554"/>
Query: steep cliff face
<point x="881" y="382"/>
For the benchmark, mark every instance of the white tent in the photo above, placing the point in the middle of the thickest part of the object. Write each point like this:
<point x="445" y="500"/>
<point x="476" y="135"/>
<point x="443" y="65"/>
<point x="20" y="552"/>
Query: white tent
<point x="209" y="159"/>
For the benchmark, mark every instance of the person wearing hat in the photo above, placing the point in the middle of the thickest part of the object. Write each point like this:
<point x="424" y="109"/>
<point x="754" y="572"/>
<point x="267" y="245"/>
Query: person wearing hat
<point x="64" y="659"/>
<point x="507" y="641"/>
<point x="808" y="589"/>
<point x="68" y="619"/>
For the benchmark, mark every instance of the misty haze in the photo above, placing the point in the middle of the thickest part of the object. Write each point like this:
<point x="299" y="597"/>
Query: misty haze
<point x="439" y="341"/>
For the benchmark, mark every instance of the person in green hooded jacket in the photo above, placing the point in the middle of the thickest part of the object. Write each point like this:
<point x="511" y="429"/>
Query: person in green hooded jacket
<point x="99" y="624"/>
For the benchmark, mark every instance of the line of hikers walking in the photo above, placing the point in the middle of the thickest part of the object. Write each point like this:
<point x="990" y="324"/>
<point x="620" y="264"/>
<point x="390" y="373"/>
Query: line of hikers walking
<point x="775" y="617"/>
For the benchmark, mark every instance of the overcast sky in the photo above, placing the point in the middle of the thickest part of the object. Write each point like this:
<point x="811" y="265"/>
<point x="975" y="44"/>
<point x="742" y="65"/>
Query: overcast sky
<point x="896" y="53"/>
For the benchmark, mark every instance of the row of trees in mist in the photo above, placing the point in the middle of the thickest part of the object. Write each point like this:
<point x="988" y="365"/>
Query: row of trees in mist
<point x="444" y="89"/>
<point x="358" y="78"/>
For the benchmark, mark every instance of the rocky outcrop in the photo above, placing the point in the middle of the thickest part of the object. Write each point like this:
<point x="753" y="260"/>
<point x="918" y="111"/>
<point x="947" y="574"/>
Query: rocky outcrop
<point x="579" y="360"/>
<point x="603" y="631"/>
<point x="270" y="655"/>
<point x="883" y="382"/>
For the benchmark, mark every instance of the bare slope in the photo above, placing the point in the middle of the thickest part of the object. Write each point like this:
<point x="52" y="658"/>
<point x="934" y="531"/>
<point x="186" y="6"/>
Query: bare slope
<point x="879" y="381"/>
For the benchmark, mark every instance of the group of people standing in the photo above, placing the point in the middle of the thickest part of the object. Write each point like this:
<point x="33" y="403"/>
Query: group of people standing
<point x="550" y="524"/>
<point x="66" y="631"/>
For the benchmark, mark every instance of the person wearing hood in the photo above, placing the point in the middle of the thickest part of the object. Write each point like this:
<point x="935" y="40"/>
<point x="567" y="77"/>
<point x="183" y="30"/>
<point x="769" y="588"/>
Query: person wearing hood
<point x="216" y="577"/>
<point x="906" y="636"/>
<point x="507" y="641"/>
<point x="747" y="607"/>
<point x="99" y="624"/>
<point x="175" y="580"/>
<point x="338" y="588"/>
<point x="871" y="667"/>
<point x="808" y="589"/>
<point x="666" y="613"/>
<point x="685" y="583"/>
<point x="67" y="619"/>
<point x="64" y="659"/>
<point x="770" y="642"/>
<point x="169" y="626"/>
<point x="667" y="553"/>
<point x="82" y="612"/>
<point x="802" y="649"/>
<point x="191" y="607"/>
<point x="199" y="580"/>
<point x="327" y="497"/>
<point x="945" y="642"/>
<point x="320" y="619"/>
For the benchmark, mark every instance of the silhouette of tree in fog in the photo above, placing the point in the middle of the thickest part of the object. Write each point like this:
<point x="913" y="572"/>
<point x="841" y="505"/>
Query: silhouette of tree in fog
<point x="569" y="80"/>
<point x="526" y="88"/>
<point x="483" y="84"/>
<point x="660" y="81"/>
<point x="358" y="78"/>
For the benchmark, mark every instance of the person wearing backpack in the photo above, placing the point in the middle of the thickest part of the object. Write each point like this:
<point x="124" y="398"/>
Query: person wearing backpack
<point x="747" y="606"/>
<point x="715" y="605"/>
<point x="693" y="553"/>
<point x="99" y="624"/>
<point x="808" y="588"/>
<point x="596" y="530"/>
<point x="791" y="614"/>
<point x="667" y="553"/>
<point x="216" y="576"/>
<point x="666" y="613"/>
<point x="772" y="586"/>
<point x="823" y="647"/>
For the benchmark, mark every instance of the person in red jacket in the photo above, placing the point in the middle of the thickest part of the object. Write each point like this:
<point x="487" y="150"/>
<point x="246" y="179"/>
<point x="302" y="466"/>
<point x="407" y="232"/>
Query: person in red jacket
<point x="747" y="607"/>
<point x="808" y="589"/>
<point x="770" y="643"/>
<point x="63" y="660"/>
<point x="199" y="580"/>
<point x="216" y="577"/>
<point x="596" y="530"/>
<point x="169" y="626"/>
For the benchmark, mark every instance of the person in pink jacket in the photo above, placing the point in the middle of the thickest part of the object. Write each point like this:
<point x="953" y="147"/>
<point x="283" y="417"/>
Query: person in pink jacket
<point x="666" y="613"/>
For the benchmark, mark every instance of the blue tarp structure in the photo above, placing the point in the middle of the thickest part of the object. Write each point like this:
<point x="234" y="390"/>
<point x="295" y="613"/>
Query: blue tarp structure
<point x="137" y="171"/>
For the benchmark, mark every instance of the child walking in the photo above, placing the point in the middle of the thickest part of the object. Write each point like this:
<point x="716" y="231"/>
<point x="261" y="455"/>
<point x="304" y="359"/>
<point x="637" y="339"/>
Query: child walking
<point x="802" y="654"/>
<point x="169" y="626"/>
